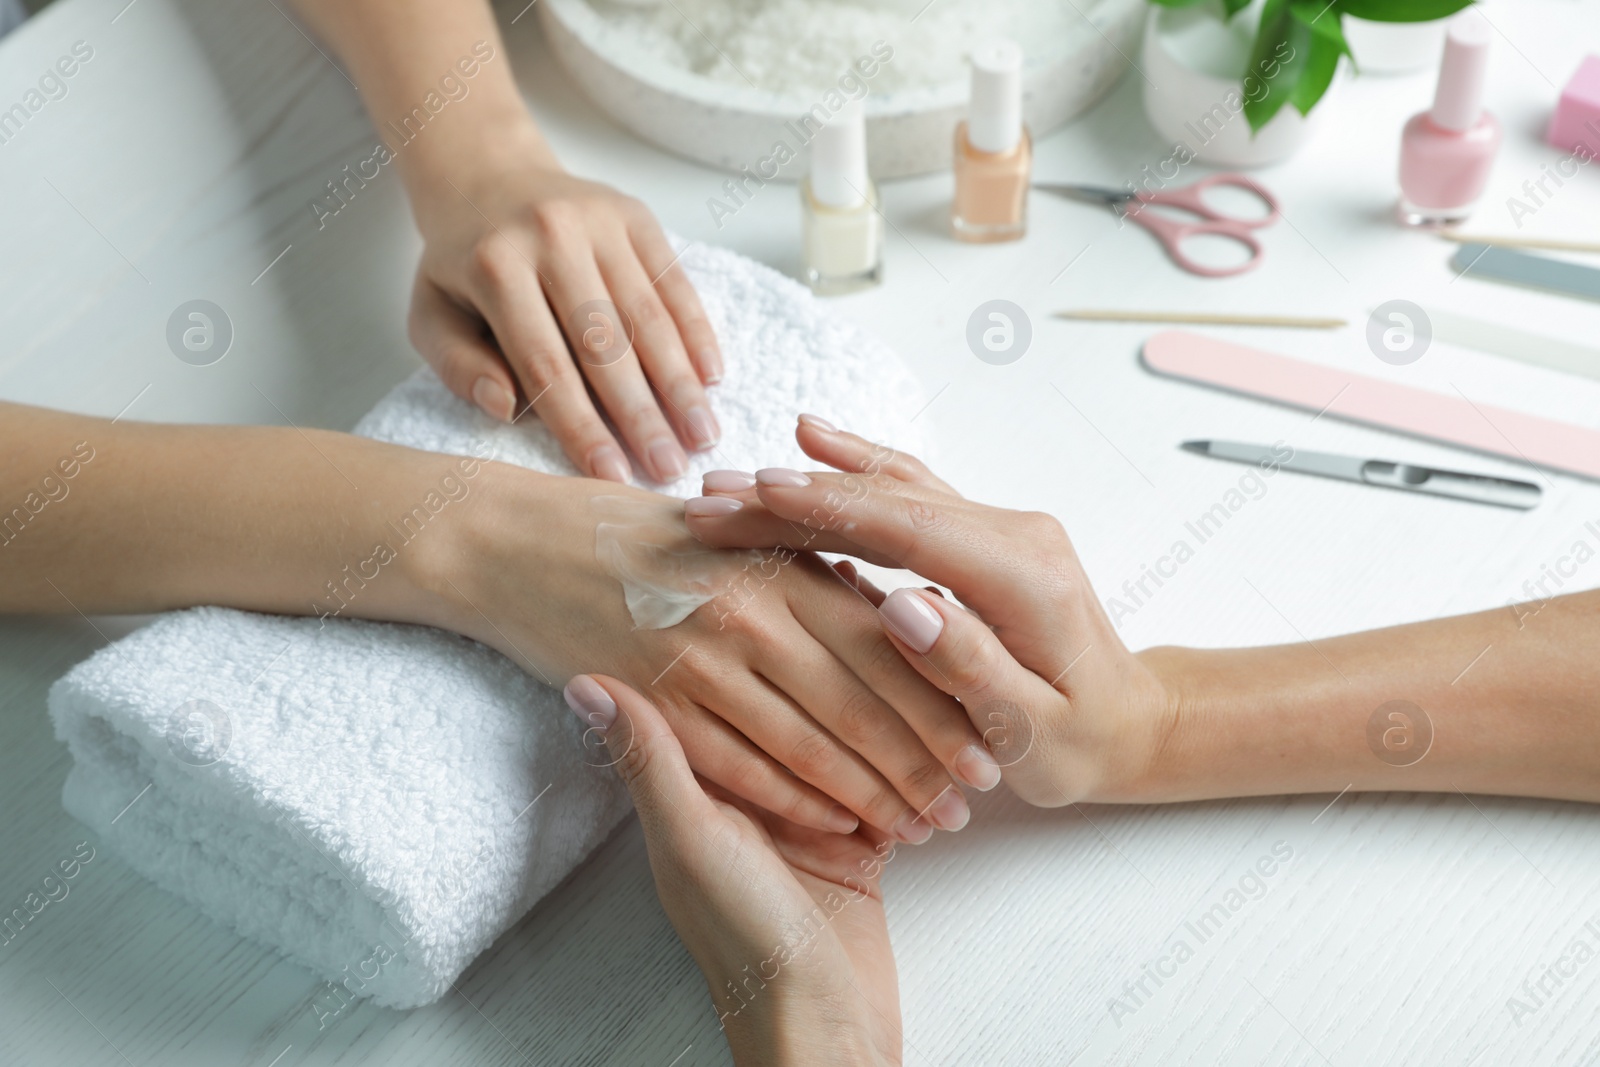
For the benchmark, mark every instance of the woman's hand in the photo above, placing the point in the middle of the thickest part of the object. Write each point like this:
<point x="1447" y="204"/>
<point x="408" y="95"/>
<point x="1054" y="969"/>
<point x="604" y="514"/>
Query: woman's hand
<point x="536" y="286"/>
<point x="783" y="691"/>
<point x="786" y="923"/>
<point x="1065" y="708"/>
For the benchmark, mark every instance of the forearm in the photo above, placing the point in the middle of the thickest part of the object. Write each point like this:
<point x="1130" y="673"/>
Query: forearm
<point x="155" y="517"/>
<point x="405" y="55"/>
<point x="1512" y="698"/>
<point x="798" y="1033"/>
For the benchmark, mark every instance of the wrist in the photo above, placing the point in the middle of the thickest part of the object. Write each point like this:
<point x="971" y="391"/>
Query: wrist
<point x="494" y="138"/>
<point x="792" y="1029"/>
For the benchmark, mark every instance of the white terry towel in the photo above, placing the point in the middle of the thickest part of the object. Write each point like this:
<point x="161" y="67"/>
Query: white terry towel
<point x="379" y="802"/>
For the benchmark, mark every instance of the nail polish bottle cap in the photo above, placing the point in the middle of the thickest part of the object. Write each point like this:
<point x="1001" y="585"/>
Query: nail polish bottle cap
<point x="1458" y="101"/>
<point x="994" y="118"/>
<point x="839" y="159"/>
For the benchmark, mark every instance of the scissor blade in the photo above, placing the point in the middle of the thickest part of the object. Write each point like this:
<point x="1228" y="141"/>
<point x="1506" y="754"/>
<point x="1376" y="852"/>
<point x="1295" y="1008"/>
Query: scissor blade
<point x="1088" y="194"/>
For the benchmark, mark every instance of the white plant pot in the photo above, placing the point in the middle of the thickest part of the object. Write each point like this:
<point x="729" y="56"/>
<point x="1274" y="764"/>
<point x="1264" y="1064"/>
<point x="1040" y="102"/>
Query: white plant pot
<point x="1194" y="95"/>
<point x="1394" y="47"/>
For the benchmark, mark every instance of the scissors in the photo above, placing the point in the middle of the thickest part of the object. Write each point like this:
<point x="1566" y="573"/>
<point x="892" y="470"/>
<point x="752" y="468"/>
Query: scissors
<point x="1171" y="232"/>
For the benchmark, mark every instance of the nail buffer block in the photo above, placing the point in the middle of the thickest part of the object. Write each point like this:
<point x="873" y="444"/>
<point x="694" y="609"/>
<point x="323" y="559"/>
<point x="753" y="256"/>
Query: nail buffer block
<point x="1454" y="420"/>
<point x="1534" y="272"/>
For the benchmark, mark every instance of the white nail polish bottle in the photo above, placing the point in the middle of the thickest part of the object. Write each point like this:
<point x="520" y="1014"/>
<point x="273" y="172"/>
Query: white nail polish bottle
<point x="843" y="232"/>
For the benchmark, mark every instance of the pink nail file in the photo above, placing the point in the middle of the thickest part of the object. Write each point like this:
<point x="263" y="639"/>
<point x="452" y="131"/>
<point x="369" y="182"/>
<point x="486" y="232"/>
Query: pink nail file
<point x="1452" y="419"/>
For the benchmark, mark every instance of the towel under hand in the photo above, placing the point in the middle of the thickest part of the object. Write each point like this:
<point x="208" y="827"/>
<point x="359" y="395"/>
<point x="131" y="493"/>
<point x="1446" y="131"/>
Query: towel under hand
<point x="379" y="802"/>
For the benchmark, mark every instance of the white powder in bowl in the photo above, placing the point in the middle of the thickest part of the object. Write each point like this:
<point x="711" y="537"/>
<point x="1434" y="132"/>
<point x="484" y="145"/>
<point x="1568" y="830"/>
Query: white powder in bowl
<point x="801" y="47"/>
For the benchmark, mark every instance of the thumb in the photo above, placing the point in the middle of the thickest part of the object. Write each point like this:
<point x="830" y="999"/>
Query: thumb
<point x="1010" y="705"/>
<point x="644" y="751"/>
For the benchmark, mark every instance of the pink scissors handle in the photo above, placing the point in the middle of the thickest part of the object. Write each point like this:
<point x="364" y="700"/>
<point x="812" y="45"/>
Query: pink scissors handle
<point x="1172" y="233"/>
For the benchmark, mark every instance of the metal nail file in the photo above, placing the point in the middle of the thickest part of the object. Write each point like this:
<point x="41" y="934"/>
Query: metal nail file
<point x="1522" y="268"/>
<point x="1458" y="485"/>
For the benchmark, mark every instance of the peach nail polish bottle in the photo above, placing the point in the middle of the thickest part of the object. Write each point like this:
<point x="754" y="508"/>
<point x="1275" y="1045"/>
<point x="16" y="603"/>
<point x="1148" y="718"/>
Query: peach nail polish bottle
<point x="993" y="152"/>
<point x="1447" y="152"/>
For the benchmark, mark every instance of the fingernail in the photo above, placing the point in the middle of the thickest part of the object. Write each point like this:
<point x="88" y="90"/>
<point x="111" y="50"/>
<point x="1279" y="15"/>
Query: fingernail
<point x="592" y="703"/>
<point x="817" y="422"/>
<point x="950" y="811"/>
<point x="911" y="829"/>
<point x="668" y="459"/>
<point x="728" y="481"/>
<point x="495" y="400"/>
<point x="841" y="820"/>
<point x="711" y="360"/>
<point x="781" y="477"/>
<point x="912" y="619"/>
<point x="609" y="463"/>
<point x="977" y="767"/>
<point x="703" y="425"/>
<point x="709" y="506"/>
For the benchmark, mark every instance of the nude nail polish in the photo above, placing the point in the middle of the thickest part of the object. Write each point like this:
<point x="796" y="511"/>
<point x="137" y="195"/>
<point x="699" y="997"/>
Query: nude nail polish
<point x="608" y="462"/>
<point x="781" y="478"/>
<point x="1447" y="152"/>
<point x="711" y="506"/>
<point x="912" y="829"/>
<point x="842" y="230"/>
<point x="668" y="459"/>
<point x="977" y="767"/>
<point x="993" y="150"/>
<point x="728" y="481"/>
<point x="841" y="820"/>
<point x="950" y="811"/>
<point x="704" y="426"/>
<point x="493" y="398"/>
<point x="590" y="701"/>
<point x="912" y="619"/>
<point x="817" y="422"/>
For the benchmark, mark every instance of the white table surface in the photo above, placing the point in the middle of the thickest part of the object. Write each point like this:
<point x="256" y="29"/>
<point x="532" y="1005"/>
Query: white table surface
<point x="181" y="164"/>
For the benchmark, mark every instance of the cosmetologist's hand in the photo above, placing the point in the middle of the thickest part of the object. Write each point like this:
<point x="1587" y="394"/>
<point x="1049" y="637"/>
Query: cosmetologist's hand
<point x="1065" y="708"/>
<point x="524" y="272"/>
<point x="786" y="923"/>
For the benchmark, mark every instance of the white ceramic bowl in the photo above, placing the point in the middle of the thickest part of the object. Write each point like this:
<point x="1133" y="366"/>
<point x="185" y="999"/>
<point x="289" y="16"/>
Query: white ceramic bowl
<point x="908" y="131"/>
<point x="1394" y="47"/>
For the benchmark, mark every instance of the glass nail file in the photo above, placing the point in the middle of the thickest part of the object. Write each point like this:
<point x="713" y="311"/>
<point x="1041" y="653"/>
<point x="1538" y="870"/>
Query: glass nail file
<point x="1521" y="268"/>
<point x="1434" y="481"/>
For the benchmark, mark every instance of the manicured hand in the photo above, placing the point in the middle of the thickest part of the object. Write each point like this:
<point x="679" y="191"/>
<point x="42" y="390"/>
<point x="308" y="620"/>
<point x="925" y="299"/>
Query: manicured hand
<point x="784" y="690"/>
<point x="786" y="923"/>
<point x="517" y="302"/>
<point x="1065" y="708"/>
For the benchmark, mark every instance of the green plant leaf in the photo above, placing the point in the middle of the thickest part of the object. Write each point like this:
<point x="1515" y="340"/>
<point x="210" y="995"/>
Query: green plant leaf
<point x="1177" y="3"/>
<point x="1293" y="61"/>
<point x="1401" y="10"/>
<point x="1233" y="7"/>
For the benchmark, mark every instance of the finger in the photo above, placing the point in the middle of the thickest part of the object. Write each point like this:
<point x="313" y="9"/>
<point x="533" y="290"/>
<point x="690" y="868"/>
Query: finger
<point x="740" y="484"/>
<point x="860" y="719"/>
<point x="660" y="350"/>
<point x="859" y="582"/>
<point x="604" y="348"/>
<point x="960" y="655"/>
<point x="928" y="725"/>
<point x="781" y="727"/>
<point x="645" y="753"/>
<point x="731" y="516"/>
<point x="453" y="342"/>
<point x="639" y="741"/>
<point x="991" y="559"/>
<point x="666" y="273"/>
<point x="845" y="451"/>
<point x="721" y="754"/>
<point x="513" y="303"/>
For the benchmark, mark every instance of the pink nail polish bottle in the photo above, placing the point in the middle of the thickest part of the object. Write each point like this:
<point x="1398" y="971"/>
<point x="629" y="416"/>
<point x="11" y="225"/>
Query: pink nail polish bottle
<point x="1446" y="153"/>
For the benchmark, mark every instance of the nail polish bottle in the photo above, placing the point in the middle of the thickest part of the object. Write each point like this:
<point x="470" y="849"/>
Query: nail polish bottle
<point x="843" y="232"/>
<point x="993" y="151"/>
<point x="1446" y="153"/>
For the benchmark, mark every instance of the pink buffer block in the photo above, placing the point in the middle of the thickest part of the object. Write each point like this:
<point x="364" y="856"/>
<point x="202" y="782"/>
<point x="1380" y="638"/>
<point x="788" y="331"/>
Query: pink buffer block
<point x="1576" y="123"/>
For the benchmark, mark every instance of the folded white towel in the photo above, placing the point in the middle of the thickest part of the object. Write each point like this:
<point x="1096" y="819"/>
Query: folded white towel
<point x="379" y="802"/>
